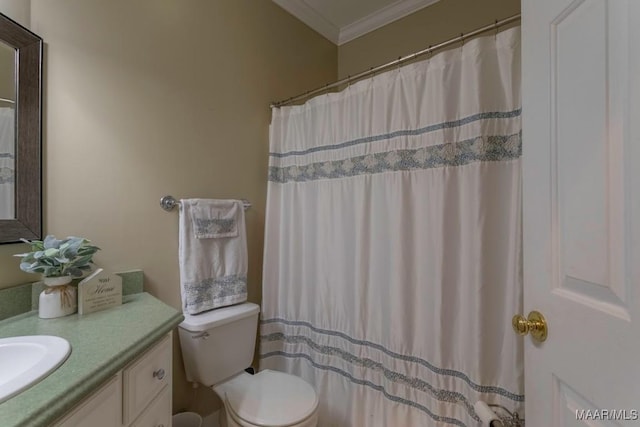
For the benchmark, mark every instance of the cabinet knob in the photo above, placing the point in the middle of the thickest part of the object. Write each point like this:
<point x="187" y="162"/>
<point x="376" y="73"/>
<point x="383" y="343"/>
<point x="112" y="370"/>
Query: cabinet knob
<point x="159" y="374"/>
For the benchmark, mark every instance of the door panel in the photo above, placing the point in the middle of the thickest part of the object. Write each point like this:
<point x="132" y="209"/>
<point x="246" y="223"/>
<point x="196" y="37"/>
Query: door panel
<point x="581" y="172"/>
<point x="586" y="155"/>
<point x="570" y="407"/>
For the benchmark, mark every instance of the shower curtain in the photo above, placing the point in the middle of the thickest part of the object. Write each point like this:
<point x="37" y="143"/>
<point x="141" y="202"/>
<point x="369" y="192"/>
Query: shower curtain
<point x="392" y="262"/>
<point x="7" y="163"/>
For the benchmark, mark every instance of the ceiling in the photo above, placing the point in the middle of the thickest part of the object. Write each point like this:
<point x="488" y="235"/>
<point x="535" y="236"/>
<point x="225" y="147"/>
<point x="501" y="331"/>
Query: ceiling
<point x="344" y="20"/>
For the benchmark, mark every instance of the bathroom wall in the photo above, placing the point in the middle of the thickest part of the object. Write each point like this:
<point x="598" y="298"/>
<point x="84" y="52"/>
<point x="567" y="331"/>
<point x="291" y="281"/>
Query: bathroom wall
<point x="18" y="10"/>
<point x="429" y="26"/>
<point x="156" y="97"/>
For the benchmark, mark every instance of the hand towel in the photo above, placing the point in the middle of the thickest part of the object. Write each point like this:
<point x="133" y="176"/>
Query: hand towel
<point x="213" y="254"/>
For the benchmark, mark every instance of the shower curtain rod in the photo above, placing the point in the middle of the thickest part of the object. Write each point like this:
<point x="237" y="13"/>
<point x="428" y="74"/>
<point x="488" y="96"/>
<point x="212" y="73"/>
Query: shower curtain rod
<point x="460" y="39"/>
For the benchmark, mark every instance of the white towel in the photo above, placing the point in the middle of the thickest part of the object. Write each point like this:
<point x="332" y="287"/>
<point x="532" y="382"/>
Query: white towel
<point x="213" y="254"/>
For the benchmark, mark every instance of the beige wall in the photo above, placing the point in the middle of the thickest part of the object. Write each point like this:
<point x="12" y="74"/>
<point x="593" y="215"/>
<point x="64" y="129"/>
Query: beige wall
<point x="18" y="10"/>
<point x="152" y="97"/>
<point x="429" y="26"/>
<point x="10" y="274"/>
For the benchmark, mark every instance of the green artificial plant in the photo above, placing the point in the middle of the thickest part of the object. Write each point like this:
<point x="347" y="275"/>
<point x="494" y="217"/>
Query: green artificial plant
<point x="54" y="258"/>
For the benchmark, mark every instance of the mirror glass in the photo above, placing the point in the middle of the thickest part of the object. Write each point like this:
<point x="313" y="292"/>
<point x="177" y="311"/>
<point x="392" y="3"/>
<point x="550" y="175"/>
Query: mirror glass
<point x="7" y="131"/>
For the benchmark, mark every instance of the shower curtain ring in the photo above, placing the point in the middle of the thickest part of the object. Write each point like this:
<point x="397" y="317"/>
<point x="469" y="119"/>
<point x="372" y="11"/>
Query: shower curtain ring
<point x="399" y="62"/>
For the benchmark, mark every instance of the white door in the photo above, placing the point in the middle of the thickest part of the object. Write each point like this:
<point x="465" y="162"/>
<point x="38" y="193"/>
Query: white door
<point x="581" y="148"/>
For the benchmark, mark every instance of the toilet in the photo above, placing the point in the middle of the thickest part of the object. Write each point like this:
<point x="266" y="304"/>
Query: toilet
<point x="217" y="347"/>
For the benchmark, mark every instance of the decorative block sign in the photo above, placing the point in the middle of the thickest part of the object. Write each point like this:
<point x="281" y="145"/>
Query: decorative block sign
<point x="99" y="291"/>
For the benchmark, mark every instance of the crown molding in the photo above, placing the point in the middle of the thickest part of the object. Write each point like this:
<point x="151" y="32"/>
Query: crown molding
<point x="380" y="18"/>
<point x="309" y="16"/>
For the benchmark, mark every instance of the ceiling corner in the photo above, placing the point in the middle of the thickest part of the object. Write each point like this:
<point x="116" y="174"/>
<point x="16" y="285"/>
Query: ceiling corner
<point x="379" y="18"/>
<point x="311" y="17"/>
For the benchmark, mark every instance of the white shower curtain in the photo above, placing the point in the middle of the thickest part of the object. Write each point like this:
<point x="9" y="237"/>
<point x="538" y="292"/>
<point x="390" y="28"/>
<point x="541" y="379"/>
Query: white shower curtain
<point x="392" y="261"/>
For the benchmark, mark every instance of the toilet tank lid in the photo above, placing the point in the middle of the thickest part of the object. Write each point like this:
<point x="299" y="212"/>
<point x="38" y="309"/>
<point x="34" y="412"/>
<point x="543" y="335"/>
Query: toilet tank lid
<point x="218" y="317"/>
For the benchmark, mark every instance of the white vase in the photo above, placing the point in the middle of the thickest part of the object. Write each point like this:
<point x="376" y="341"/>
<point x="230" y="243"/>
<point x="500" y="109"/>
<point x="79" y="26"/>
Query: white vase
<point x="58" y="299"/>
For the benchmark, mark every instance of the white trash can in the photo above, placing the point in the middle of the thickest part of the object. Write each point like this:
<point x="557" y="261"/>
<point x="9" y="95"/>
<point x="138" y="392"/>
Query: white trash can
<point x="187" y="419"/>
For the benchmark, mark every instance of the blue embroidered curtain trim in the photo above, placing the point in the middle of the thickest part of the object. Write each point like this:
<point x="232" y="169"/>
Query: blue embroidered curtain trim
<point x="480" y="149"/>
<point x="436" y="370"/>
<point x="405" y="132"/>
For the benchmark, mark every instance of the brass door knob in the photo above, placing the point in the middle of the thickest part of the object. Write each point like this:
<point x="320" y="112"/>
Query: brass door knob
<point x="535" y="324"/>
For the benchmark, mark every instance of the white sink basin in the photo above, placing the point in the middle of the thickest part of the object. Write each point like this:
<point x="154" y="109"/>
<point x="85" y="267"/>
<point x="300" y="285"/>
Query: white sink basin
<point x="26" y="360"/>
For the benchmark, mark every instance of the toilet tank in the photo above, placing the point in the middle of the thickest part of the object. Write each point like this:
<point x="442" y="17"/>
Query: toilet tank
<point x="218" y="344"/>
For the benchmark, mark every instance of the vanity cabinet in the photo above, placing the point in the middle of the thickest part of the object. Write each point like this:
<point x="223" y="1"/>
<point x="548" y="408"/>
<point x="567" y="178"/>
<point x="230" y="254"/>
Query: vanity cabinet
<point x="101" y="409"/>
<point x="146" y="379"/>
<point x="137" y="396"/>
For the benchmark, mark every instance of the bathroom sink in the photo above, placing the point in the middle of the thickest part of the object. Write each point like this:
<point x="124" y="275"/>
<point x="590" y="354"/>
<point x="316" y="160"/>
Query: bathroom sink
<point x="26" y="360"/>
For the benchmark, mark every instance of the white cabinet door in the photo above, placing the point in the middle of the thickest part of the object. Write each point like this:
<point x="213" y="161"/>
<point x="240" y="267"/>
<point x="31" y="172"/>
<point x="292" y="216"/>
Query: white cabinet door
<point x="145" y="377"/>
<point x="158" y="414"/>
<point x="581" y="153"/>
<point x="102" y="409"/>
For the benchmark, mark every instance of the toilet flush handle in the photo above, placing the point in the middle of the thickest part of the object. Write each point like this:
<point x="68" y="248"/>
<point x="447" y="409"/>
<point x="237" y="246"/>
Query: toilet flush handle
<point x="204" y="335"/>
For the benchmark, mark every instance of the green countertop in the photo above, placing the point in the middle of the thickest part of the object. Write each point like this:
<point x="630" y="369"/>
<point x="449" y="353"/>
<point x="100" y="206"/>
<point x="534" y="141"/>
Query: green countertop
<point x="102" y="343"/>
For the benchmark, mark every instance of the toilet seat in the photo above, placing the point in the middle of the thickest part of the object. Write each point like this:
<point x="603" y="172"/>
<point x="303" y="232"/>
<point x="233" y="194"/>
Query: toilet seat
<point x="268" y="398"/>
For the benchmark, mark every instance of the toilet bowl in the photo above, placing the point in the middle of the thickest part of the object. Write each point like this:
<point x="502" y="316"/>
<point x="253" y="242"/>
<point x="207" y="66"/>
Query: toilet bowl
<point x="268" y="398"/>
<point x="217" y="346"/>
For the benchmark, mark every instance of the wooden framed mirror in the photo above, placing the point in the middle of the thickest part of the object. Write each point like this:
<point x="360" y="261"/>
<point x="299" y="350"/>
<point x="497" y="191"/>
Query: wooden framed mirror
<point x="20" y="132"/>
